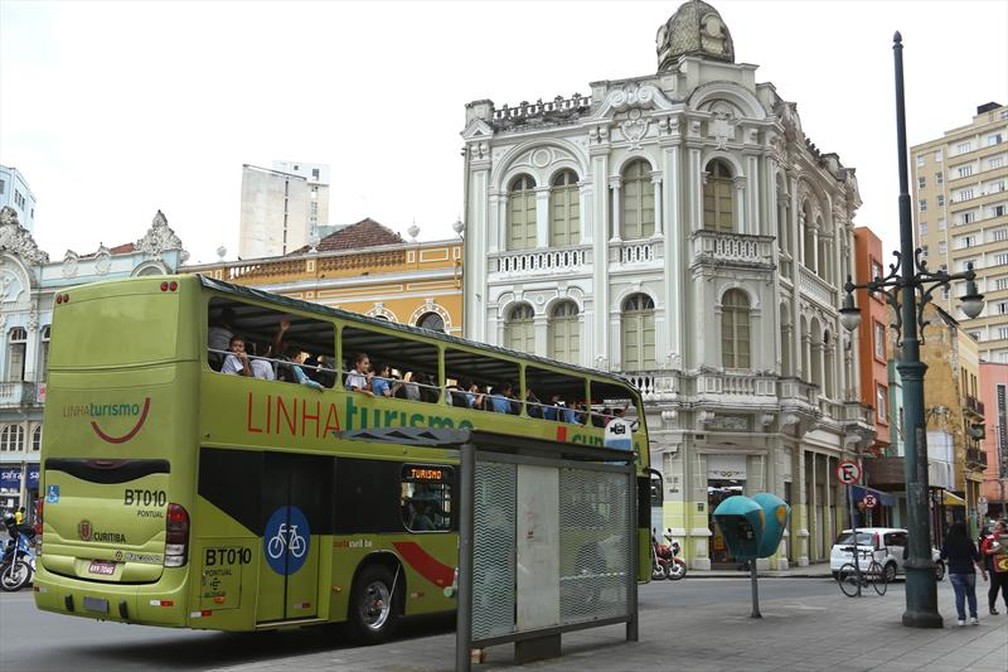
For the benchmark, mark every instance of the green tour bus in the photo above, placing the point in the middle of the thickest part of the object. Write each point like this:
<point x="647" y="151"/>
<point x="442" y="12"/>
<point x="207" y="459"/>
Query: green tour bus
<point x="196" y="469"/>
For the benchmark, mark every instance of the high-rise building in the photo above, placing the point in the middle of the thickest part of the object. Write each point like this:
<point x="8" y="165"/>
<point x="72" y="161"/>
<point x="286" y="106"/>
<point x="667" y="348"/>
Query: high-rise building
<point x="960" y="206"/>
<point x="16" y="194"/>
<point x="282" y="208"/>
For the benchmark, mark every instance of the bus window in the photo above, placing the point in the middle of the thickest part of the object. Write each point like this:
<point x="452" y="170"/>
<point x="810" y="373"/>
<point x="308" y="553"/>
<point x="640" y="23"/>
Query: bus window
<point x="412" y="362"/>
<point x="609" y="401"/>
<point x="555" y="396"/>
<point x="477" y="375"/>
<point x="279" y="345"/>
<point x="426" y="497"/>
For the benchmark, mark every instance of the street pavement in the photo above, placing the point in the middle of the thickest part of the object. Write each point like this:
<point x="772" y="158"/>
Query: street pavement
<point x="794" y="635"/>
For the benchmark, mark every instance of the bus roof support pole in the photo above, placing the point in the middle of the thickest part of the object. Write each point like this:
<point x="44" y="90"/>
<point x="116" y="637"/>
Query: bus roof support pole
<point x="632" y="615"/>
<point x="463" y="624"/>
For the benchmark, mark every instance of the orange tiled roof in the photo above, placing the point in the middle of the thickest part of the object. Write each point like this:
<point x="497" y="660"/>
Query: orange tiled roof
<point x="365" y="233"/>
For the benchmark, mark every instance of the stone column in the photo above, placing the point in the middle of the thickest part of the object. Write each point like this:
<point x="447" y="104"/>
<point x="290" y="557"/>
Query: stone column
<point x="617" y="205"/>
<point x="656" y="184"/>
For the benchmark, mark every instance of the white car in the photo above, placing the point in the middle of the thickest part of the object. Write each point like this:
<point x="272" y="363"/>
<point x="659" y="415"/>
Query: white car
<point x="884" y="544"/>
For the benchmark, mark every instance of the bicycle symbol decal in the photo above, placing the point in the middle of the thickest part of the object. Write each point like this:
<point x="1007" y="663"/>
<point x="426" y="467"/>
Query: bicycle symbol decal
<point x="286" y="540"/>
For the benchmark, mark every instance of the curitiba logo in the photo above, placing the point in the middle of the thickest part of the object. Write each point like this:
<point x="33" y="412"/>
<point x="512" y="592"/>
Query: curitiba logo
<point x="93" y="410"/>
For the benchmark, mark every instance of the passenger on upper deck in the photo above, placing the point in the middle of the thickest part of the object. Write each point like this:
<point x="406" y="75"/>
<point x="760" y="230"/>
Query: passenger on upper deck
<point x="261" y="368"/>
<point x="382" y="383"/>
<point x="237" y="361"/>
<point x="500" y="400"/>
<point x="297" y="357"/>
<point x="358" y="380"/>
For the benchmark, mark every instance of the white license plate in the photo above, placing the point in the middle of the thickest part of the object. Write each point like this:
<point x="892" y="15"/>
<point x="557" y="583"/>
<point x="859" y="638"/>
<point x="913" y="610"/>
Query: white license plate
<point x="103" y="567"/>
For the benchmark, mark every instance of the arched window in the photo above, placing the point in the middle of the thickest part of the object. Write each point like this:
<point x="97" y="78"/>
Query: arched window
<point x="823" y="260"/>
<point x="17" y="341"/>
<point x="637" y="214"/>
<point x="431" y="321"/>
<point x="44" y="353"/>
<point x="12" y="438"/>
<point x="717" y="197"/>
<point x="637" y="328"/>
<point x="735" y="330"/>
<point x="565" y="210"/>
<point x="521" y="234"/>
<point x="784" y="241"/>
<point x="816" y="344"/>
<point x="519" y="331"/>
<point x="808" y="237"/>
<point x="787" y="332"/>
<point x="37" y="438"/>
<point x="564" y="335"/>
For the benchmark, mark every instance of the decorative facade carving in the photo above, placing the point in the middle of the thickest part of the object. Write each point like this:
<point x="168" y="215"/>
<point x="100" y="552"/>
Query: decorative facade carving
<point x="70" y="263"/>
<point x="160" y="239"/>
<point x="103" y="260"/>
<point x="16" y="239"/>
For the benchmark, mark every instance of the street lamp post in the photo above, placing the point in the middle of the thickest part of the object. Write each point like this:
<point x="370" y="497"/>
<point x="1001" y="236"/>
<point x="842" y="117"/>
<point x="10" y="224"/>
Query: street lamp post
<point x="908" y="278"/>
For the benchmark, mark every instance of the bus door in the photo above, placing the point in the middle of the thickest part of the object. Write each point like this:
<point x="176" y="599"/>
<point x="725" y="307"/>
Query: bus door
<point x="297" y="511"/>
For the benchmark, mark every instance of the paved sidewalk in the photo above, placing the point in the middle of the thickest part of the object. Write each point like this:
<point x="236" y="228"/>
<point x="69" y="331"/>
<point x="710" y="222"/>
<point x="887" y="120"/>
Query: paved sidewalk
<point x="827" y="633"/>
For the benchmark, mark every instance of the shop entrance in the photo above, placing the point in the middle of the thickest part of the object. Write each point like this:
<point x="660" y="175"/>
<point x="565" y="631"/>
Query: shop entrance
<point x="719" y="490"/>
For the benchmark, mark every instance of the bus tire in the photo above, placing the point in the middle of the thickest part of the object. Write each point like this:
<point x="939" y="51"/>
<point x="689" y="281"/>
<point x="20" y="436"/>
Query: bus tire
<point x="374" y="609"/>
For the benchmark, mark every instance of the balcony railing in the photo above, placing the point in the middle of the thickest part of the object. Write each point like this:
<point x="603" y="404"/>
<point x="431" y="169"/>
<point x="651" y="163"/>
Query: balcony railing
<point x="798" y="390"/>
<point x="524" y="261"/>
<point x="976" y="457"/>
<point x="733" y="248"/>
<point x="973" y="404"/>
<point x="19" y="393"/>
<point x="816" y="288"/>
<point x="632" y="252"/>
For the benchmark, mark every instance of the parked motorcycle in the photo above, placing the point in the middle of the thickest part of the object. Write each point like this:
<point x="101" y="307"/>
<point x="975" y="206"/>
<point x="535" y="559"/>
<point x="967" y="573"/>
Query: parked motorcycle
<point x="17" y="566"/>
<point x="665" y="560"/>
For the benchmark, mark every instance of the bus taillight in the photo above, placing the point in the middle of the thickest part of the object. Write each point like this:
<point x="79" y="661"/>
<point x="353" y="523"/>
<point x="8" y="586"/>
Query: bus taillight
<point x="177" y="536"/>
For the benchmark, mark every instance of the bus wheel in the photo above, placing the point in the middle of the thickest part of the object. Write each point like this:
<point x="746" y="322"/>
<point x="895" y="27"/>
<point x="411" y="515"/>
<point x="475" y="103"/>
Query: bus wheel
<point x="373" y="610"/>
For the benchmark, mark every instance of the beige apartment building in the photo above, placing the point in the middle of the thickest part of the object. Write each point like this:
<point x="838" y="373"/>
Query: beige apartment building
<point x="960" y="206"/>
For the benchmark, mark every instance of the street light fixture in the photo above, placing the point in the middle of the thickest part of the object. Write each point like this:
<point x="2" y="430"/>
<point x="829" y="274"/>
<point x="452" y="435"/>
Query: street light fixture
<point x="908" y="278"/>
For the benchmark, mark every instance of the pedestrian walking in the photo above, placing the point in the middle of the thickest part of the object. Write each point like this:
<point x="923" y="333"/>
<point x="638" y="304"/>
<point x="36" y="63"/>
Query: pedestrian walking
<point x="961" y="554"/>
<point x="994" y="549"/>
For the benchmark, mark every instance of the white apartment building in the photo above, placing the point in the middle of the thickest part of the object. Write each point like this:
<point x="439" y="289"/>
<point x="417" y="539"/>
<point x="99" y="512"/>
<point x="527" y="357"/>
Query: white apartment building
<point x="16" y="194"/>
<point x="29" y="281"/>
<point x="960" y="192"/>
<point x="681" y="228"/>
<point x="283" y="208"/>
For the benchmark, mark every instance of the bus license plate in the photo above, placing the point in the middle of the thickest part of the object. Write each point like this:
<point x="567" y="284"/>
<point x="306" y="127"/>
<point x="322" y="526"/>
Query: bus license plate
<point x="103" y="567"/>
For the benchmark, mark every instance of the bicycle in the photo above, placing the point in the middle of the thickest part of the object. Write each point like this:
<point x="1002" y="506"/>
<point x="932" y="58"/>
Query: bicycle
<point x="853" y="579"/>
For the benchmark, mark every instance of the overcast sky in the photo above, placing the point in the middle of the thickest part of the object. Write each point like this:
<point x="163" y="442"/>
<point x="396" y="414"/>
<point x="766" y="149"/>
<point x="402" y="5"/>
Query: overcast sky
<point x="115" y="110"/>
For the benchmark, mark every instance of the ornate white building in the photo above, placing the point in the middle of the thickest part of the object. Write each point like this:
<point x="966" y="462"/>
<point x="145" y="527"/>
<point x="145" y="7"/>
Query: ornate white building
<point x="681" y="228"/>
<point x="28" y="284"/>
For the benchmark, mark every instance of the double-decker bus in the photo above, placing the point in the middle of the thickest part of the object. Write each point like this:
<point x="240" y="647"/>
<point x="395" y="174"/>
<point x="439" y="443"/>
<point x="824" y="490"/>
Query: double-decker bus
<point x="187" y="485"/>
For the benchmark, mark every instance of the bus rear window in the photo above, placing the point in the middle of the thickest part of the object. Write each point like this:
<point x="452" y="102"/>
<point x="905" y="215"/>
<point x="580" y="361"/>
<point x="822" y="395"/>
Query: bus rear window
<point x="119" y="331"/>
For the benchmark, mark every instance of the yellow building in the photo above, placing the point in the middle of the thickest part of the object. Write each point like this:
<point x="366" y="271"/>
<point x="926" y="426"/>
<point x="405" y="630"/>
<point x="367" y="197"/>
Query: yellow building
<point x="365" y="268"/>
<point x="954" y="412"/>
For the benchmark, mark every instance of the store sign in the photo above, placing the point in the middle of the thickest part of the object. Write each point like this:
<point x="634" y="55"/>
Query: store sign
<point x="33" y="475"/>
<point x="10" y="478"/>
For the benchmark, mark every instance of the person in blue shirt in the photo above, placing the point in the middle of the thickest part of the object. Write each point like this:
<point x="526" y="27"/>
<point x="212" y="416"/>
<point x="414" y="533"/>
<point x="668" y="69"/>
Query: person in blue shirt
<point x="382" y="383"/>
<point x="500" y="400"/>
<point x="298" y="357"/>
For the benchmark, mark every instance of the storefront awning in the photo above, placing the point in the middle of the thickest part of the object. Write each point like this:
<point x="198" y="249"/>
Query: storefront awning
<point x="952" y="499"/>
<point x="858" y="492"/>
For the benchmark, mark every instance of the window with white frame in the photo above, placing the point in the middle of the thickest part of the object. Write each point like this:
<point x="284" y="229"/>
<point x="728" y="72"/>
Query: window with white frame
<point x="519" y="329"/>
<point x="563" y="333"/>
<point x="718" y="201"/>
<point x="879" y="341"/>
<point x="735" y="331"/>
<point x="942" y="247"/>
<point x="964" y="147"/>
<point x="922" y="205"/>
<point x="637" y="328"/>
<point x="1000" y="235"/>
<point x="923" y="226"/>
<point x="1002" y="333"/>
<point x="920" y="159"/>
<point x="994" y="139"/>
<point x="995" y="162"/>
<point x="967" y="241"/>
<point x="938" y="155"/>
<point x="998" y="211"/>
<point x="521" y="214"/>
<point x="17" y="343"/>
<point x="941" y="224"/>
<point x="36" y="444"/>
<point x="12" y="438"/>
<point x="940" y="201"/>
<point x="939" y="178"/>
<point x="1001" y="259"/>
<point x="965" y="171"/>
<point x="921" y="182"/>
<point x="44" y="352"/>
<point x="881" y="397"/>
<point x="965" y="194"/>
<point x="565" y="210"/>
<point x="637" y="214"/>
<point x="968" y="217"/>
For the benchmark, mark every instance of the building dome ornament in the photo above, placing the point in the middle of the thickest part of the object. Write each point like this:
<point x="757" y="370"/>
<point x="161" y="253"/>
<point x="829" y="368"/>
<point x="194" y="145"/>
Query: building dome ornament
<point x="17" y="240"/>
<point x="696" y="29"/>
<point x="160" y="239"/>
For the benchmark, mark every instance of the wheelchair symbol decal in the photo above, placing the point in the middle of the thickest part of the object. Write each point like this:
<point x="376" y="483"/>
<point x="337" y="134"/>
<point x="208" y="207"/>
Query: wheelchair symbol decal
<point x="286" y="540"/>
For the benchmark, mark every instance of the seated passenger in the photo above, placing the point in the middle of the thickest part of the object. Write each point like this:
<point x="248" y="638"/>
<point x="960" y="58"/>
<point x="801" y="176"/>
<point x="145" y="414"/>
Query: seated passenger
<point x="410" y="388"/>
<point x="500" y="400"/>
<point x="358" y="380"/>
<point x="219" y="338"/>
<point x="297" y="358"/>
<point x="533" y="408"/>
<point x="382" y="383"/>
<point x="473" y="395"/>
<point x="261" y="368"/>
<point x="324" y="372"/>
<point x="237" y="361"/>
